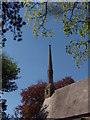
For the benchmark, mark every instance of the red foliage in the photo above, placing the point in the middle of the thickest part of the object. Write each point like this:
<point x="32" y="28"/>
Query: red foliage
<point x="33" y="97"/>
<point x="65" y="81"/>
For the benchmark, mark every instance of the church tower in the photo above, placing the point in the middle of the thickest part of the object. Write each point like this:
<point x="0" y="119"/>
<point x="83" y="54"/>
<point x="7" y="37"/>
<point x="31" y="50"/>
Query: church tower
<point x="49" y="90"/>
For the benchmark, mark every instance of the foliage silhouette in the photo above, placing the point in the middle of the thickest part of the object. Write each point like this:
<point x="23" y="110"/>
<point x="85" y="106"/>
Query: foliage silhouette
<point x="11" y="20"/>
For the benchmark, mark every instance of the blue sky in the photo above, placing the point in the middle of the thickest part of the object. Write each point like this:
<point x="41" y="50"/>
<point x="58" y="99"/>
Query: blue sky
<point x="31" y="55"/>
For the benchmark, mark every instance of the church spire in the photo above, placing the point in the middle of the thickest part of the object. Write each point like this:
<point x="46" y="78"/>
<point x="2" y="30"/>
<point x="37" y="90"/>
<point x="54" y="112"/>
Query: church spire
<point x="50" y="59"/>
<point x="49" y="90"/>
<point x="50" y="67"/>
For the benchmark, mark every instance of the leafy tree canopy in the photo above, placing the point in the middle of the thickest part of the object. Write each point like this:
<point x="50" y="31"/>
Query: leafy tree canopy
<point x="9" y="74"/>
<point x="33" y="97"/>
<point x="7" y="81"/>
<point x="74" y="17"/>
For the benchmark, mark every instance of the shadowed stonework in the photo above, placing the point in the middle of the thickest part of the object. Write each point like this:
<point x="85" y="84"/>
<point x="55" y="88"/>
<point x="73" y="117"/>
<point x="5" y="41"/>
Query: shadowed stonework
<point x="69" y="101"/>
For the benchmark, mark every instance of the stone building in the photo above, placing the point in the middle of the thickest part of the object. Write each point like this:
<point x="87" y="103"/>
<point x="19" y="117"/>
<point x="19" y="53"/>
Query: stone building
<point x="71" y="102"/>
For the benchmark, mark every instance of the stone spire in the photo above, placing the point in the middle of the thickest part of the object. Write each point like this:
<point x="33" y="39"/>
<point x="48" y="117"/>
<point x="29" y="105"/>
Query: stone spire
<point x="50" y="67"/>
<point x="49" y="90"/>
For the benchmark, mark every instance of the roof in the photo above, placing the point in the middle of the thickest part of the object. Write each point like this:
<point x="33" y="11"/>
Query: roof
<point x="71" y="100"/>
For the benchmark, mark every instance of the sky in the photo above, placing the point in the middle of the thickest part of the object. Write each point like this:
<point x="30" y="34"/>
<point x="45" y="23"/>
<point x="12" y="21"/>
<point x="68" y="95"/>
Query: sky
<point x="31" y="56"/>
